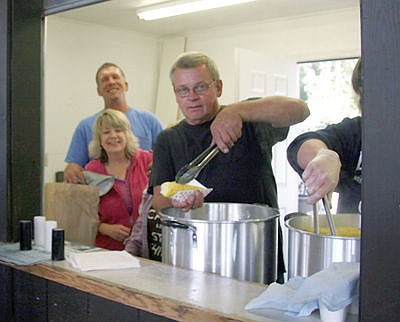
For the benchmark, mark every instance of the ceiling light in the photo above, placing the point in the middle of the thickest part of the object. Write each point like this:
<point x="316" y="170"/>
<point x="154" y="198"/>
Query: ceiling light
<point x="176" y="8"/>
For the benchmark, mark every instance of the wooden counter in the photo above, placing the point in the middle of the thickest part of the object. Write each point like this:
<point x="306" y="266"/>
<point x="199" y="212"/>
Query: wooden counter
<point x="153" y="292"/>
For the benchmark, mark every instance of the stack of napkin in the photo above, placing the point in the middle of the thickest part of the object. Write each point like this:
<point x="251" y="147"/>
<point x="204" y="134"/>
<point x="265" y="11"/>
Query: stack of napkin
<point x="103" y="182"/>
<point x="102" y="260"/>
<point x="335" y="287"/>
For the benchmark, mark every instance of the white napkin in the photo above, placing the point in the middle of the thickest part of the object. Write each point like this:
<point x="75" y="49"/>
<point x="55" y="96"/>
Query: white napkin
<point x="103" y="260"/>
<point x="103" y="182"/>
<point x="335" y="287"/>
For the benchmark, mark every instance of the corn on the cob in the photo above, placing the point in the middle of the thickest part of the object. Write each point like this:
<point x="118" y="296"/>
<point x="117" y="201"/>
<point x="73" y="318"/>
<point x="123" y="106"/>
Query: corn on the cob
<point x="169" y="188"/>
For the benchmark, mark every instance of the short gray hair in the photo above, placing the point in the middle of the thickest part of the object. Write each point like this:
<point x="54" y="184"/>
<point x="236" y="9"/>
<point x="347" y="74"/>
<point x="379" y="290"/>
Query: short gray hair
<point x="110" y="118"/>
<point x="194" y="59"/>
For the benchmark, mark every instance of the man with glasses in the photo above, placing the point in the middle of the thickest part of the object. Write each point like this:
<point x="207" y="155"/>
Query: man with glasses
<point x="244" y="132"/>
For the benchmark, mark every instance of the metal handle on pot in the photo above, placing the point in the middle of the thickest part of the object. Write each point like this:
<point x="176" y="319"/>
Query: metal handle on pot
<point x="176" y="224"/>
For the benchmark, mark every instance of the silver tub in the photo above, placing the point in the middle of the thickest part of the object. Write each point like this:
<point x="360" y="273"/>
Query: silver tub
<point x="309" y="252"/>
<point x="232" y="240"/>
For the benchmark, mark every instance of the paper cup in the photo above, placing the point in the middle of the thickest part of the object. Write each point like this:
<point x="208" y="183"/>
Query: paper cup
<point x="332" y="316"/>
<point x="39" y="223"/>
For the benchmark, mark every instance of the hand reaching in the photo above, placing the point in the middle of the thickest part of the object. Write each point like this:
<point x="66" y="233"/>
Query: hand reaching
<point x="321" y="175"/>
<point x="73" y="173"/>
<point x="226" y="129"/>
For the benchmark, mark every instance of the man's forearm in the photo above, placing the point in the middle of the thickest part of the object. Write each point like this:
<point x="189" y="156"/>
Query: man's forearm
<point x="308" y="151"/>
<point x="280" y="111"/>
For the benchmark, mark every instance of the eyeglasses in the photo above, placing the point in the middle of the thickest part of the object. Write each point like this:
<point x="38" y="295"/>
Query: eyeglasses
<point x="199" y="89"/>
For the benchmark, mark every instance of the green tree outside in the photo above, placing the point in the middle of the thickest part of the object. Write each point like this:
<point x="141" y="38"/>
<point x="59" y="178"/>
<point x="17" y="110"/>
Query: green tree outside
<point x="326" y="87"/>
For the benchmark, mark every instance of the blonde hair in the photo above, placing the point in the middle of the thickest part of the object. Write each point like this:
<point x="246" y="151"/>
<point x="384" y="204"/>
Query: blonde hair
<point x="110" y="118"/>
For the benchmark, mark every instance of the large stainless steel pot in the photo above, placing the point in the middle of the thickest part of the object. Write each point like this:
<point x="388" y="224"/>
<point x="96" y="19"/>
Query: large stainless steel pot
<point x="309" y="252"/>
<point x="233" y="240"/>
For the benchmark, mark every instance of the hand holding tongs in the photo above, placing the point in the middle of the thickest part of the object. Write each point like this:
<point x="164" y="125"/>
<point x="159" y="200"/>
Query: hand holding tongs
<point x="190" y="171"/>
<point x="331" y="224"/>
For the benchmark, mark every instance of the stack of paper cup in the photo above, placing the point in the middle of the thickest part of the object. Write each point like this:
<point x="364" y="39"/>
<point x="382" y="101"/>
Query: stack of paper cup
<point x="332" y="316"/>
<point x="39" y="223"/>
<point x="50" y="224"/>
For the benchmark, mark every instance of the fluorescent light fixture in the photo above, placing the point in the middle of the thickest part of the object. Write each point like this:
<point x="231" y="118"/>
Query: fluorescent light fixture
<point x="175" y="8"/>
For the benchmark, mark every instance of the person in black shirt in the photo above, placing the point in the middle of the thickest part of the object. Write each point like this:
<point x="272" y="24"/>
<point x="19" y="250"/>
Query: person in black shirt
<point x="331" y="159"/>
<point x="244" y="133"/>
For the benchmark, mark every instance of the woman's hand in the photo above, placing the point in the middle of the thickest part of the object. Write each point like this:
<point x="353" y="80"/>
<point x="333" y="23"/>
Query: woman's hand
<point x="117" y="232"/>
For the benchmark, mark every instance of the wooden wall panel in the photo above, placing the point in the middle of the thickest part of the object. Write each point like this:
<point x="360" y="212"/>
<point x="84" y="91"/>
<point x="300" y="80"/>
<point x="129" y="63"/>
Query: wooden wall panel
<point x="29" y="297"/>
<point x="35" y="299"/>
<point x="106" y="310"/>
<point x="66" y="303"/>
<point x="5" y="291"/>
<point x="4" y="131"/>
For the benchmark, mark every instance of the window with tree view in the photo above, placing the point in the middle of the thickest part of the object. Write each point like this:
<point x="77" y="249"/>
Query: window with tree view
<point x="326" y="87"/>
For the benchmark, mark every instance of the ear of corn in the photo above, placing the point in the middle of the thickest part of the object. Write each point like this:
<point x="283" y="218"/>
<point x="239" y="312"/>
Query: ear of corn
<point x="169" y="188"/>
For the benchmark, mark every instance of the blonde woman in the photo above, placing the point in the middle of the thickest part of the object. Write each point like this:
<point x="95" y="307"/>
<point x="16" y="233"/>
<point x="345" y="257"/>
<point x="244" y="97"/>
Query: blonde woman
<point x="115" y="152"/>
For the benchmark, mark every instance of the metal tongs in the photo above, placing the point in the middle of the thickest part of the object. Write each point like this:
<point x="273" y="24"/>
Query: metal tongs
<point x="190" y="170"/>
<point x="331" y="224"/>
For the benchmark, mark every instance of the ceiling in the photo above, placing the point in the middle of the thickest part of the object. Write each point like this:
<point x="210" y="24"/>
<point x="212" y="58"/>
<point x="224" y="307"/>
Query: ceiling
<point x="121" y="14"/>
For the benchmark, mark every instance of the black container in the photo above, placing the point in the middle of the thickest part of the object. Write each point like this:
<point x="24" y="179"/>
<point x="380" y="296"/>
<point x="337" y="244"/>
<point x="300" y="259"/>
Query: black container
<point x="25" y="235"/>
<point x="57" y="244"/>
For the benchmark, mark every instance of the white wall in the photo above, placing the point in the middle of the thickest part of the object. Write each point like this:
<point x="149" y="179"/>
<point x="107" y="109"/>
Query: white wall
<point x="313" y="37"/>
<point x="75" y="50"/>
<point x="321" y="36"/>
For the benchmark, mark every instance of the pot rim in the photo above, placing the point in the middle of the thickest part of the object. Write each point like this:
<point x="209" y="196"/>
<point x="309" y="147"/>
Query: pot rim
<point x="304" y="232"/>
<point x="274" y="215"/>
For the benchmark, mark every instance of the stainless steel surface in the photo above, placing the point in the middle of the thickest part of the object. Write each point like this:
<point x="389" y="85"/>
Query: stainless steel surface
<point x="232" y="240"/>
<point x="309" y="252"/>
<point x="315" y="218"/>
<point x="331" y="224"/>
<point x="190" y="171"/>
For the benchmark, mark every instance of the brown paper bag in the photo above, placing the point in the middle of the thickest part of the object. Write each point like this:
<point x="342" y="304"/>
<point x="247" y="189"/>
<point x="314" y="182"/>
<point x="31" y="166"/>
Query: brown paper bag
<point x="75" y="208"/>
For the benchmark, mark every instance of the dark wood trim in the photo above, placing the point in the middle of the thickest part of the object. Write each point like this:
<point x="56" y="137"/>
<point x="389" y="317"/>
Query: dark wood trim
<point x="4" y="119"/>
<point x="55" y="6"/>
<point x="33" y="297"/>
<point x="20" y="88"/>
<point x="71" y="282"/>
<point x="25" y="112"/>
<point x="20" y="171"/>
<point x="380" y="260"/>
